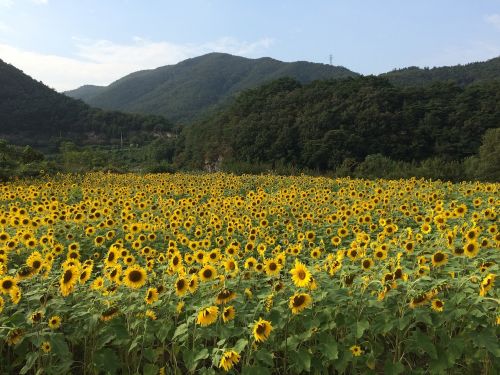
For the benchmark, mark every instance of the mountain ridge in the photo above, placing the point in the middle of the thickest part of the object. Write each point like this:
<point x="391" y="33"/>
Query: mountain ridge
<point x="182" y="91"/>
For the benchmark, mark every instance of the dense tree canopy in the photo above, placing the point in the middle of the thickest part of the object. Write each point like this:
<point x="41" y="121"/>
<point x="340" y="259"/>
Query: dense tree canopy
<point x="321" y="124"/>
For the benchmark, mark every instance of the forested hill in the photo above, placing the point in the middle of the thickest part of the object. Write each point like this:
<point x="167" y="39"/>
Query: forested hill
<point x="183" y="91"/>
<point x="461" y="74"/>
<point x="322" y="124"/>
<point x="32" y="113"/>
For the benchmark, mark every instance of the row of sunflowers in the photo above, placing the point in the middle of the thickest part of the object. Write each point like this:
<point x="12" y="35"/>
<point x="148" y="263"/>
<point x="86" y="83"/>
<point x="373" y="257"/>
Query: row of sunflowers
<point x="209" y="273"/>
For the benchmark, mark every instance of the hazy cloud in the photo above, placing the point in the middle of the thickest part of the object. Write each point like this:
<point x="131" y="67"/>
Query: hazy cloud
<point x="6" y="3"/>
<point x="493" y="19"/>
<point x="102" y="62"/>
<point x="4" y="27"/>
<point x="42" y="2"/>
<point x="453" y="55"/>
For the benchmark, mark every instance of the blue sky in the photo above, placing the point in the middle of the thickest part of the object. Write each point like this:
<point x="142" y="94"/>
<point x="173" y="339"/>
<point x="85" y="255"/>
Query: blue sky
<point x="67" y="43"/>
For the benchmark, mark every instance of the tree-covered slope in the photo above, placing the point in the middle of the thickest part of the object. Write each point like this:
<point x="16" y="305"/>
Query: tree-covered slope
<point x="183" y="91"/>
<point x="461" y="74"/>
<point x="32" y="113"/>
<point x="324" y="123"/>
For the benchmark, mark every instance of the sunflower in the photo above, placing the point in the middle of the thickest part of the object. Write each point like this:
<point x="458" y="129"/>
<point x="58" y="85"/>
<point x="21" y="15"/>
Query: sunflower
<point x="300" y="275"/>
<point x="272" y="267"/>
<point x="471" y="249"/>
<point x="261" y="330"/>
<point x="46" y="347"/>
<point x="193" y="284"/>
<point x="151" y="314"/>
<point x="207" y="316"/>
<point x="229" y="359"/>
<point x="225" y="296"/>
<point x="35" y="261"/>
<point x="250" y="263"/>
<point x="181" y="286"/>
<point x="439" y="259"/>
<point x="2" y="303"/>
<point x="97" y="284"/>
<point x="207" y="273"/>
<point x="15" y="336"/>
<point x="68" y="279"/>
<point x="135" y="277"/>
<point x="151" y="296"/>
<point x="486" y="284"/>
<point x="109" y="314"/>
<point x="299" y="301"/>
<point x="228" y="314"/>
<point x="418" y="301"/>
<point x="366" y="264"/>
<point x="356" y="350"/>
<point x="437" y="305"/>
<point x="7" y="284"/>
<point x="380" y="254"/>
<point x="54" y="322"/>
<point x="85" y="275"/>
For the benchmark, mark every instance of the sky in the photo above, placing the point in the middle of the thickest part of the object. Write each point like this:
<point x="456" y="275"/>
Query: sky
<point x="68" y="43"/>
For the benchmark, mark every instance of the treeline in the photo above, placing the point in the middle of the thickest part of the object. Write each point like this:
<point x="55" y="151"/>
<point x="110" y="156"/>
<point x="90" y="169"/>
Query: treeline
<point x="338" y="125"/>
<point x="32" y="113"/>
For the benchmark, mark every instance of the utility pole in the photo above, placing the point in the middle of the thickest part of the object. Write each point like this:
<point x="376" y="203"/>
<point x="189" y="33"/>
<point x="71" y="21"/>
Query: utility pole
<point x="121" y="139"/>
<point x="331" y="59"/>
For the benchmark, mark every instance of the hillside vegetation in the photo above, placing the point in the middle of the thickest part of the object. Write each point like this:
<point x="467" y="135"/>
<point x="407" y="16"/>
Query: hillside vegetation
<point x="32" y="113"/>
<point x="183" y="91"/>
<point x="326" y="124"/>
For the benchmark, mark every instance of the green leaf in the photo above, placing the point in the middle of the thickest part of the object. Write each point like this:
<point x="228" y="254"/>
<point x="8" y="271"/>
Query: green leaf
<point x="30" y="361"/>
<point x="240" y="345"/>
<point x="329" y="349"/>
<point x="149" y="354"/>
<point x="361" y="327"/>
<point x="192" y="357"/>
<point x="255" y="370"/>
<point x="302" y="361"/>
<point x="107" y="361"/>
<point x="150" y="369"/>
<point x="180" y="330"/>
<point x="423" y="342"/>
<point x="265" y="357"/>
<point x="488" y="340"/>
<point x="393" y="368"/>
<point x="162" y="332"/>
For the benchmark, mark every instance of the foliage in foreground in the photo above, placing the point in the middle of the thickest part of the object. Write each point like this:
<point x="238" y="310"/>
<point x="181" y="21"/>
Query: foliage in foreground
<point x="105" y="273"/>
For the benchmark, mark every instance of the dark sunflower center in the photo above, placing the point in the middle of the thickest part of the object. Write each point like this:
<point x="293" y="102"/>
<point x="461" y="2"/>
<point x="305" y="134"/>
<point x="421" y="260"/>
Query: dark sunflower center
<point x="470" y="248"/>
<point x="180" y="284"/>
<point x="207" y="273"/>
<point x="439" y="257"/>
<point x="299" y="300"/>
<point x="273" y="266"/>
<point x="135" y="276"/>
<point x="366" y="264"/>
<point x="301" y="274"/>
<point x="261" y="329"/>
<point x="439" y="304"/>
<point x="111" y="257"/>
<point x="68" y="275"/>
<point x="37" y="264"/>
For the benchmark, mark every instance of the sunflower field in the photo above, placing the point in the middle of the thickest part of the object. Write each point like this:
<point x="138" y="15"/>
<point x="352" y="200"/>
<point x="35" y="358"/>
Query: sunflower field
<point x="213" y="273"/>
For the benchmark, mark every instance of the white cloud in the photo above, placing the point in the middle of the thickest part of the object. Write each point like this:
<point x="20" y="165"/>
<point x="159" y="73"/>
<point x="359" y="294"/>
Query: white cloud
<point x="4" y="28"/>
<point x="6" y="3"/>
<point x="102" y="62"/>
<point x="41" y="2"/>
<point x="478" y="51"/>
<point x="493" y="19"/>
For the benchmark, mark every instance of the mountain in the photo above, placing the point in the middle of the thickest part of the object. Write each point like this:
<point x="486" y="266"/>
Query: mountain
<point x="32" y="113"/>
<point x="324" y="124"/>
<point x="461" y="74"/>
<point x="183" y="91"/>
<point x="85" y="92"/>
